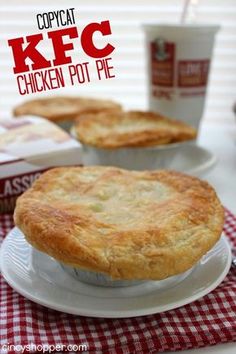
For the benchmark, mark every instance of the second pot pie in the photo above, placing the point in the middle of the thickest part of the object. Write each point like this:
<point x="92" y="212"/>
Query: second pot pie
<point x="62" y="108"/>
<point x="110" y="130"/>
<point x="125" y="224"/>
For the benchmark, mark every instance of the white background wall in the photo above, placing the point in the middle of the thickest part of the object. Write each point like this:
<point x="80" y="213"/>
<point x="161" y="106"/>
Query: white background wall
<point x="126" y="16"/>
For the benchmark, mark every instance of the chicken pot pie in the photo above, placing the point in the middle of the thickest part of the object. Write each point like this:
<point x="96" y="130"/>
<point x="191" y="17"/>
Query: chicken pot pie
<point x="125" y="224"/>
<point x="62" y="108"/>
<point x="130" y="129"/>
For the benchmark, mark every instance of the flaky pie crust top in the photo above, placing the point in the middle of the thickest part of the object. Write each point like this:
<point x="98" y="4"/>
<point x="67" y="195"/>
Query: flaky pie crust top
<point x="130" y="129"/>
<point x="126" y="224"/>
<point x="63" y="108"/>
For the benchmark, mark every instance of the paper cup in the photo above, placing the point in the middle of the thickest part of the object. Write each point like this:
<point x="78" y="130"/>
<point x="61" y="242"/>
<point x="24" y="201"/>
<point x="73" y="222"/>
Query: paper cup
<point x="179" y="58"/>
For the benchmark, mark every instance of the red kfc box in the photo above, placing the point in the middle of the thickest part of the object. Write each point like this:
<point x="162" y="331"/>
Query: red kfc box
<point x="28" y="147"/>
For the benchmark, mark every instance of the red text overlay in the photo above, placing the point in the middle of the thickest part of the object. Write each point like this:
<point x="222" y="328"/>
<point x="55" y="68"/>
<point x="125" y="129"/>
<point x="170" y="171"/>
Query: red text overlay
<point x="37" y="72"/>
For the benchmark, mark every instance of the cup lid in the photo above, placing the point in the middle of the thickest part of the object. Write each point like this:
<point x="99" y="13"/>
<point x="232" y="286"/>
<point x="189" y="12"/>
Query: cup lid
<point x="199" y="28"/>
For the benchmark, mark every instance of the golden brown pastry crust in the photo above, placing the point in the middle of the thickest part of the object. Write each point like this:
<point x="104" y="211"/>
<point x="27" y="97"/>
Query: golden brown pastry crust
<point x="129" y="225"/>
<point x="62" y="108"/>
<point x="130" y="129"/>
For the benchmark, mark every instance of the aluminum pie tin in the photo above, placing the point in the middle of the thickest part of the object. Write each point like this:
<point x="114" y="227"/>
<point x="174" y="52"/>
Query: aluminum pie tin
<point x="99" y="279"/>
<point x="134" y="158"/>
<point x="140" y="158"/>
<point x="94" y="278"/>
<point x="65" y="124"/>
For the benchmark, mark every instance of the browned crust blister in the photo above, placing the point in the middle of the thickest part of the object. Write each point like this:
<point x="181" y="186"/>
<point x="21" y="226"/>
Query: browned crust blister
<point x="130" y="129"/>
<point x="129" y="225"/>
<point x="62" y="108"/>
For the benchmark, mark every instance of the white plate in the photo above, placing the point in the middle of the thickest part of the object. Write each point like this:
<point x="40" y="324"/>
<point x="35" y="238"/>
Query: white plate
<point x="40" y="279"/>
<point x="194" y="160"/>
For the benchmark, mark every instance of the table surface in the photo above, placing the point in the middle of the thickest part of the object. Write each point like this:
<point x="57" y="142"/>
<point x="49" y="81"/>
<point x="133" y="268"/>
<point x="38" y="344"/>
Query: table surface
<point x="220" y="139"/>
